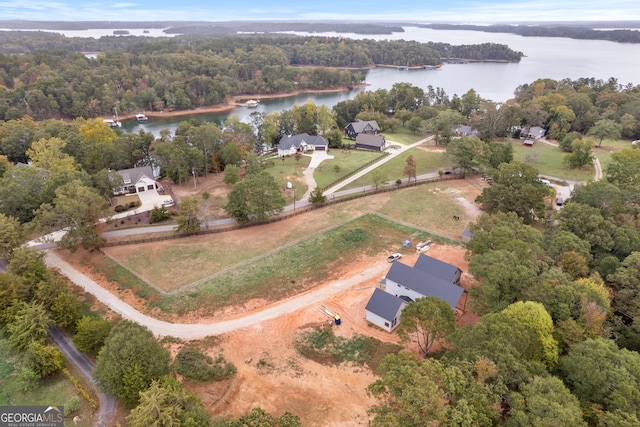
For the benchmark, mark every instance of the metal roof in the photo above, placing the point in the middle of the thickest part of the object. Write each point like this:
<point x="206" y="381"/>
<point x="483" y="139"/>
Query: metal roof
<point x="424" y="283"/>
<point x="384" y="304"/>
<point x="435" y="267"/>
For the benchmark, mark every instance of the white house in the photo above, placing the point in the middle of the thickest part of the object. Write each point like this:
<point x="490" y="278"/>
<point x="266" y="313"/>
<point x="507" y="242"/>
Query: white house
<point x="137" y="180"/>
<point x="289" y="145"/>
<point x="536" y="132"/>
<point x="383" y="309"/>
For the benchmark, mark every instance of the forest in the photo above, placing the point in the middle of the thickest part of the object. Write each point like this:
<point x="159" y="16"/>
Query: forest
<point x="549" y="30"/>
<point x="559" y="333"/>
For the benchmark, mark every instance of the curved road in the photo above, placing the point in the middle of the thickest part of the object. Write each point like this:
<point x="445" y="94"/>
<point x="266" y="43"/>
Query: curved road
<point x="107" y="403"/>
<point x="199" y="330"/>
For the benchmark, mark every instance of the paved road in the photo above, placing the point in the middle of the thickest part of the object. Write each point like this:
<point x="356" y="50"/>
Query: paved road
<point x="107" y="403"/>
<point x="198" y="330"/>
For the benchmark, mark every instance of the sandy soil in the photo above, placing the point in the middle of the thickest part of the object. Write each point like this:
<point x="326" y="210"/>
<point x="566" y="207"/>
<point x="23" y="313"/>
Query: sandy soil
<point x="273" y="376"/>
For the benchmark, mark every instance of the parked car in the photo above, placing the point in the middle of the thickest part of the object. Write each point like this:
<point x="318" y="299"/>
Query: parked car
<point x="394" y="257"/>
<point x="168" y="202"/>
<point x="559" y="201"/>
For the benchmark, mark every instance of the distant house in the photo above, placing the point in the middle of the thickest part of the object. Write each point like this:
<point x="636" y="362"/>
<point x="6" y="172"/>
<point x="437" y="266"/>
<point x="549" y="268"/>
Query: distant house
<point x="404" y="281"/>
<point x="534" y="133"/>
<point x="440" y="269"/>
<point x="137" y="180"/>
<point x="365" y="141"/>
<point x="465" y="130"/>
<point x="355" y="128"/>
<point x="384" y="309"/>
<point x="289" y="145"/>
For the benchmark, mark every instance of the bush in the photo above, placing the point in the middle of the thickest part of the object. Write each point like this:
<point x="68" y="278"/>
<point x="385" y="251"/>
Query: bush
<point x="120" y="208"/>
<point x="158" y="214"/>
<point x="71" y="405"/>
<point x="133" y="204"/>
<point x="197" y="366"/>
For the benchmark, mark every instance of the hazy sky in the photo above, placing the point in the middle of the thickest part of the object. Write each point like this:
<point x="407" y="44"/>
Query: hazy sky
<point x="478" y="11"/>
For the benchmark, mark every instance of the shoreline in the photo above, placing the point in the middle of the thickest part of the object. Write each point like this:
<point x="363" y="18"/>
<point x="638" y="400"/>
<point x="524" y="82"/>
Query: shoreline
<point x="235" y="102"/>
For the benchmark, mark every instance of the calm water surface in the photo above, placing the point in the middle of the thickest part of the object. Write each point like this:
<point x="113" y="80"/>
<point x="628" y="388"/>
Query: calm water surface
<point x="546" y="57"/>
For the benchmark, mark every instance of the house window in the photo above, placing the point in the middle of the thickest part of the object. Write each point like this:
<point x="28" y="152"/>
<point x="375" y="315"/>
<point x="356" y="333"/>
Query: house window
<point x="386" y="324"/>
<point x="394" y="321"/>
<point x="150" y="187"/>
<point x="406" y="288"/>
<point x="140" y="188"/>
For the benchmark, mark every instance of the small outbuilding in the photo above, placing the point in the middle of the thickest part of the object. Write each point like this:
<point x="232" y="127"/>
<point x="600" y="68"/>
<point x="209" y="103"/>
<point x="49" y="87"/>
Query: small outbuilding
<point x="384" y="309"/>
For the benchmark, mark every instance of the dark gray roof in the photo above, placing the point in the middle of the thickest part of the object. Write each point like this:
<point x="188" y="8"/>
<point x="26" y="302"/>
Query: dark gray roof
<point x="384" y="304"/>
<point x="133" y="175"/>
<point x="437" y="268"/>
<point x="424" y="283"/>
<point x="466" y="130"/>
<point x="361" y="125"/>
<point x="296" y="140"/>
<point x="375" y="141"/>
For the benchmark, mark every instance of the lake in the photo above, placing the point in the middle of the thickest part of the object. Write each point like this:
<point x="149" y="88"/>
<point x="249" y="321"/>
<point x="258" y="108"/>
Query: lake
<point x="546" y="57"/>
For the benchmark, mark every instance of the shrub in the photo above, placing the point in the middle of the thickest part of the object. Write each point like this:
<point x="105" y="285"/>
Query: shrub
<point x="120" y="208"/>
<point x="197" y="366"/>
<point x="158" y="214"/>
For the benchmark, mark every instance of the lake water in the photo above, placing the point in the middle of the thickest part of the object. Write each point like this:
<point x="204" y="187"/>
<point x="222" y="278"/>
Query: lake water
<point x="546" y="57"/>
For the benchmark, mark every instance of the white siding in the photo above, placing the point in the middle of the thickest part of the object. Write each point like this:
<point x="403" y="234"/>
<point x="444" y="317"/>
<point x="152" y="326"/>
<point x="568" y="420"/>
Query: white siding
<point x="398" y="290"/>
<point x="384" y="324"/>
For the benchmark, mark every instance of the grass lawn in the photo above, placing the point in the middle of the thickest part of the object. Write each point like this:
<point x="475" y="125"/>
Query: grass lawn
<point x="343" y="163"/>
<point x="549" y="161"/>
<point x="403" y="136"/>
<point x="609" y="147"/>
<point x="295" y="268"/>
<point x="287" y="169"/>
<point x="426" y="161"/>
<point x="56" y="390"/>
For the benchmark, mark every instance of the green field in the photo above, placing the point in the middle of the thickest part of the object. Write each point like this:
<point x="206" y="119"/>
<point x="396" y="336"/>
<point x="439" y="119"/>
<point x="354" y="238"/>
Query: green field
<point x="607" y="148"/>
<point x="343" y="163"/>
<point x="287" y="169"/>
<point x="402" y="136"/>
<point x="549" y="161"/>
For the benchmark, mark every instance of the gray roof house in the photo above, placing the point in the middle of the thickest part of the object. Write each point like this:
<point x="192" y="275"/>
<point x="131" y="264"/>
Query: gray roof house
<point x="136" y="180"/>
<point x="301" y="142"/>
<point x="383" y="309"/>
<point x="366" y="141"/>
<point x="402" y="280"/>
<point x="465" y="130"/>
<point x="357" y="127"/>
<point x="536" y="132"/>
<point x="440" y="269"/>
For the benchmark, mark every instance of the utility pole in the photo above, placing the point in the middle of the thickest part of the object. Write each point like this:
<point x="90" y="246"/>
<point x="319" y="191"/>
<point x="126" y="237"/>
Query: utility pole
<point x="193" y="171"/>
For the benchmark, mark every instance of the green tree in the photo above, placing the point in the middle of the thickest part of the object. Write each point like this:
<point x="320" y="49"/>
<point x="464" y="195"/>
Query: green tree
<point x="44" y="359"/>
<point x="255" y="198"/>
<point x="188" y="222"/>
<point x="259" y="418"/>
<point x="624" y="169"/>
<point x="159" y="214"/>
<point x="165" y="403"/>
<point x="129" y="361"/>
<point x="10" y="235"/>
<point x="443" y="124"/>
<point x="429" y="392"/>
<point x="410" y="168"/>
<point x="581" y="154"/>
<point x="22" y="192"/>
<point x="76" y="209"/>
<point x="378" y="178"/>
<point x="66" y="310"/>
<point x="91" y="334"/>
<point x="605" y="129"/>
<point x="30" y="325"/>
<point x="505" y="231"/>
<point x="316" y="197"/>
<point x="516" y="188"/>
<point x="231" y="174"/>
<point x="49" y="154"/>
<point x="425" y="321"/>
<point x="468" y="153"/>
<point x="544" y="401"/>
<point x="588" y="224"/>
<point x="614" y="375"/>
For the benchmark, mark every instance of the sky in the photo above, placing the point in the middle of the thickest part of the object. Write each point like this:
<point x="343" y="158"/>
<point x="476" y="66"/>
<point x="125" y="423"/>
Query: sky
<point x="423" y="11"/>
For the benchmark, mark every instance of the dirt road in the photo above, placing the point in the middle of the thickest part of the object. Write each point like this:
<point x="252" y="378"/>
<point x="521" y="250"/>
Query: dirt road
<point x="194" y="331"/>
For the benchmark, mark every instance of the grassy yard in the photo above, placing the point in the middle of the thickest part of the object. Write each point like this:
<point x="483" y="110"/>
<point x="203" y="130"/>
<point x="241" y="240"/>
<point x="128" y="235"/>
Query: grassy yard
<point x="287" y="169"/>
<point x="295" y="268"/>
<point x="403" y="136"/>
<point x="609" y="147"/>
<point x="56" y="390"/>
<point x="426" y="161"/>
<point x="549" y="161"/>
<point x="343" y="163"/>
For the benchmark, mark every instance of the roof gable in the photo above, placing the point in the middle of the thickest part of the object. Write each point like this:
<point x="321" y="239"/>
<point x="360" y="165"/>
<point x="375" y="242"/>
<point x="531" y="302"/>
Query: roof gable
<point x="424" y="283"/>
<point x="370" y="140"/>
<point x="384" y="304"/>
<point x="298" y="140"/>
<point x="435" y="267"/>
<point x="361" y="126"/>
<point x="133" y="175"/>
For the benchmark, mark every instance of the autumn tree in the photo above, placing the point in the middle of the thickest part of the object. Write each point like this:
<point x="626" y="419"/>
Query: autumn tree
<point x="10" y="235"/>
<point x="188" y="221"/>
<point x="425" y="321"/>
<point x="410" y="168"/>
